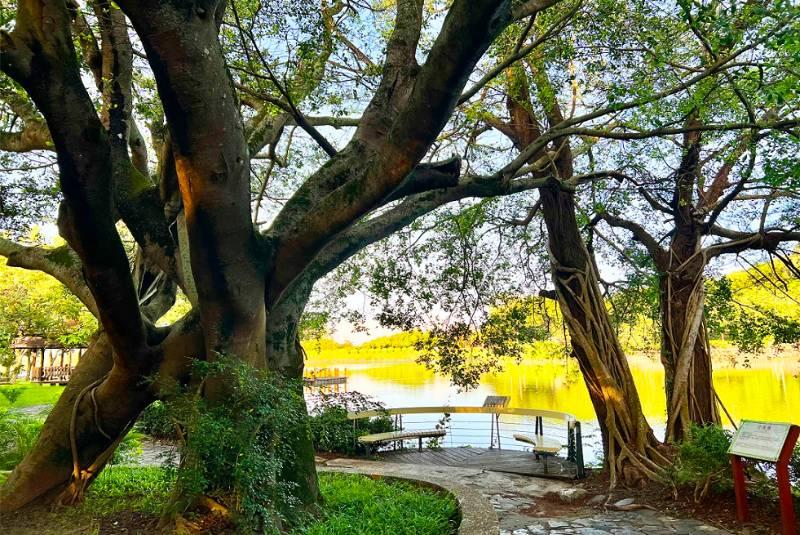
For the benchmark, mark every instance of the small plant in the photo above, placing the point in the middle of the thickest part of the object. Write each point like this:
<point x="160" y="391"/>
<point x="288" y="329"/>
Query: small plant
<point x="12" y="394"/>
<point x="332" y="431"/>
<point x="156" y="421"/>
<point x="703" y="461"/>
<point x="435" y="443"/>
<point x="18" y="433"/>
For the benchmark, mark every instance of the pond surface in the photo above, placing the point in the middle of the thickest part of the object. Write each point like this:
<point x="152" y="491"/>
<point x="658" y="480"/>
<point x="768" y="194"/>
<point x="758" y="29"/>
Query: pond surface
<point x="769" y="389"/>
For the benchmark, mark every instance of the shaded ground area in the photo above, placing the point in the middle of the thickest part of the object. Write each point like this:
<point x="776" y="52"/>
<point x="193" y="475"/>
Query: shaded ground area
<point x="129" y="501"/>
<point x="717" y="508"/>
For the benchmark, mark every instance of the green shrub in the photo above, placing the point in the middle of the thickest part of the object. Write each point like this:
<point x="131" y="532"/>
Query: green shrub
<point x="703" y="461"/>
<point x="331" y="431"/>
<point x="236" y="447"/>
<point x="18" y="433"/>
<point x="156" y="421"/>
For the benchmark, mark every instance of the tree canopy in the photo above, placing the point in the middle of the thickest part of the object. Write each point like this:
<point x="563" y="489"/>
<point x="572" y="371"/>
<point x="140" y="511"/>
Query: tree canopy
<point x="251" y="148"/>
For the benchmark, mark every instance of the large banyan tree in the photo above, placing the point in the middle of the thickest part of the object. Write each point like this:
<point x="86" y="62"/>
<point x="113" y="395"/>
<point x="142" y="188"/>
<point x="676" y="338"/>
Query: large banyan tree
<point x="726" y="186"/>
<point x="192" y="219"/>
<point x="216" y="210"/>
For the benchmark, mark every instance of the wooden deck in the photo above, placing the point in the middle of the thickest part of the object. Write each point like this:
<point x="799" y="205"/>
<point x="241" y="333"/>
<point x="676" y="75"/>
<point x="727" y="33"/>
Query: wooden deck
<point x="514" y="462"/>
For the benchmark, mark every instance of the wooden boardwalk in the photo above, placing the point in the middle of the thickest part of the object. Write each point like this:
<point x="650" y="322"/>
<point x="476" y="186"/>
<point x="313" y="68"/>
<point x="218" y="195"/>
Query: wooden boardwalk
<point x="514" y="462"/>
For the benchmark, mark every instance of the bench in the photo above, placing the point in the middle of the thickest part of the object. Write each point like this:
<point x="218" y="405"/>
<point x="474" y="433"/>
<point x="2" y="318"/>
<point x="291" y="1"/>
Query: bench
<point x="399" y="436"/>
<point x="542" y="446"/>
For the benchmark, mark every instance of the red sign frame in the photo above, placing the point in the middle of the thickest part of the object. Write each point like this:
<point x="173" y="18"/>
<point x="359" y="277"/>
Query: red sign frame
<point x="788" y="518"/>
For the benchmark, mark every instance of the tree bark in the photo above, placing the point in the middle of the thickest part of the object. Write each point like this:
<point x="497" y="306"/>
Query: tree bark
<point x="684" y="344"/>
<point x="630" y="448"/>
<point x="685" y="352"/>
<point x="45" y="471"/>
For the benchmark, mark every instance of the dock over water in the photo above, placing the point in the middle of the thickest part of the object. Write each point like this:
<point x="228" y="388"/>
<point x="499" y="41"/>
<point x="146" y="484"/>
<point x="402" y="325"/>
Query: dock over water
<point x="512" y="462"/>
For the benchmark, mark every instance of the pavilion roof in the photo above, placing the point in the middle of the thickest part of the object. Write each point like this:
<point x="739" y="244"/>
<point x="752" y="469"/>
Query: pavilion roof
<point x="34" y="342"/>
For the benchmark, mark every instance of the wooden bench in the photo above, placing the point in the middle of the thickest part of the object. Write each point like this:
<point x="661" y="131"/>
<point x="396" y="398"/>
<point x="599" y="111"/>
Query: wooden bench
<point x="542" y="446"/>
<point x="399" y="436"/>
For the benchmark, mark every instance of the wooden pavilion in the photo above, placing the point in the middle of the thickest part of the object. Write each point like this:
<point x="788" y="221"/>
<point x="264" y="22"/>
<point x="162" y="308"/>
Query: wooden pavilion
<point x="33" y="354"/>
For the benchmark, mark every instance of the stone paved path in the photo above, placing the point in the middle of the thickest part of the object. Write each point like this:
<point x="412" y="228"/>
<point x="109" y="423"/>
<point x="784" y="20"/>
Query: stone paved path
<point x="33" y="410"/>
<point x="155" y="453"/>
<point x="609" y="523"/>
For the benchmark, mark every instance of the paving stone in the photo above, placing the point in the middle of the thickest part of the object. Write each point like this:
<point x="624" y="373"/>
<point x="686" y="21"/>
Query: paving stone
<point x="592" y="531"/>
<point x="597" y="500"/>
<point x="572" y="495"/>
<point x="555" y="524"/>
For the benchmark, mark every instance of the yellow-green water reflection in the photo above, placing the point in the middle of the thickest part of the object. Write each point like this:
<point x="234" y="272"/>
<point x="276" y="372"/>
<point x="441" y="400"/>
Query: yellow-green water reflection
<point x="768" y="390"/>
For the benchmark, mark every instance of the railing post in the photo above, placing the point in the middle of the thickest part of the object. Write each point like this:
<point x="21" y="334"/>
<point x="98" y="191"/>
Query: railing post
<point x="571" y="441"/>
<point x="580" y="471"/>
<point x="497" y="427"/>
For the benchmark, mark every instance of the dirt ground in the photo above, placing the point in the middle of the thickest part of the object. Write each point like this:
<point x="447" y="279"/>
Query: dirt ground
<point x="716" y="509"/>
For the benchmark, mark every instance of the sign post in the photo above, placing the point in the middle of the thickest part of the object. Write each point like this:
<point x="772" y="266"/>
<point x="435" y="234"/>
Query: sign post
<point x="771" y="442"/>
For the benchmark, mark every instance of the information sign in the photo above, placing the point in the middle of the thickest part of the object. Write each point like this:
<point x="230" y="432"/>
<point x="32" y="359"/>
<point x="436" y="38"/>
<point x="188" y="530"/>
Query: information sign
<point x="760" y="440"/>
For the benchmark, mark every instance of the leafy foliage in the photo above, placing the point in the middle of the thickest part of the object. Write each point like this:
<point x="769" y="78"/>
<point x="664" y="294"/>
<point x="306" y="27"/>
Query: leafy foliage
<point x="233" y="448"/>
<point x="36" y="304"/>
<point x="331" y="431"/>
<point x="703" y="461"/>
<point x="18" y="433"/>
<point x="157" y="422"/>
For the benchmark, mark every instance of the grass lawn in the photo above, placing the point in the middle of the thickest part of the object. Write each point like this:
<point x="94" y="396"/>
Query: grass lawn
<point x="356" y="504"/>
<point x="129" y="500"/>
<point x="31" y="394"/>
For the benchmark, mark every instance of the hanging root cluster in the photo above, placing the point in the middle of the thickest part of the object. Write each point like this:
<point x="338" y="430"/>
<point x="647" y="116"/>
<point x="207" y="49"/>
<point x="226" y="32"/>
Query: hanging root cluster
<point x="631" y="449"/>
<point x="686" y="353"/>
<point x="81" y="477"/>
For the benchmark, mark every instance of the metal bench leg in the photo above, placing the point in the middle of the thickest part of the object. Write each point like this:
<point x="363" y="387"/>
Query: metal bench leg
<point x="544" y="460"/>
<point x="420" y="443"/>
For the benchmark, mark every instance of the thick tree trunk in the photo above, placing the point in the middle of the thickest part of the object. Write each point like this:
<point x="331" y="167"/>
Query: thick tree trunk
<point x="106" y="401"/>
<point x="631" y="450"/>
<point x="286" y="356"/>
<point x="46" y="470"/>
<point x="685" y="352"/>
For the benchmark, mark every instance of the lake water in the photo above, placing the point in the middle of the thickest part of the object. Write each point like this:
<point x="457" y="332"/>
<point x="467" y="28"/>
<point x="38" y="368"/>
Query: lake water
<point x="769" y="389"/>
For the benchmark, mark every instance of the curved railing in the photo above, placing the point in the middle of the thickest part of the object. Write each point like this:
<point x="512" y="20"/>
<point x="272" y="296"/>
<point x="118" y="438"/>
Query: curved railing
<point x="456" y="409"/>
<point x="573" y="435"/>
